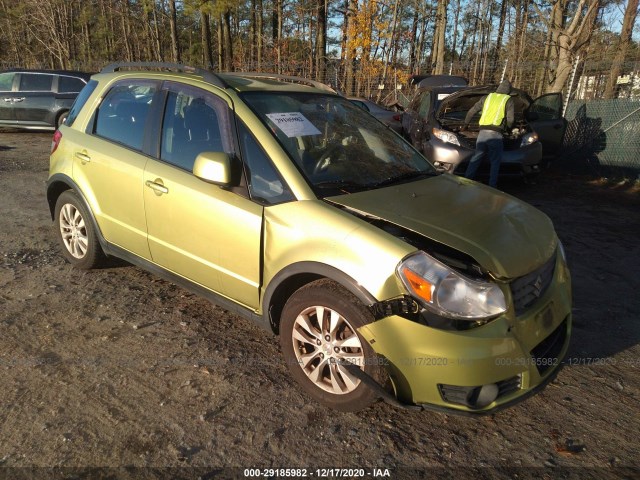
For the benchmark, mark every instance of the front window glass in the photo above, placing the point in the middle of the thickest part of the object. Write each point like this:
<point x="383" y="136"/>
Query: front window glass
<point x="265" y="184"/>
<point x="336" y="145"/>
<point x="195" y="121"/>
<point x="6" y="81"/>
<point x="548" y="107"/>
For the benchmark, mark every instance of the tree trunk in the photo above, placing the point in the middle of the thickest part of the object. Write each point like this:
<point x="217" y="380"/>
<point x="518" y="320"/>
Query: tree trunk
<point x="630" y="15"/>
<point x="496" y="53"/>
<point x="437" y="60"/>
<point x="259" y="33"/>
<point x="413" y="47"/>
<point x="205" y="30"/>
<point x="228" y="42"/>
<point x="321" y="40"/>
<point x="220" y="22"/>
<point x="173" y="25"/>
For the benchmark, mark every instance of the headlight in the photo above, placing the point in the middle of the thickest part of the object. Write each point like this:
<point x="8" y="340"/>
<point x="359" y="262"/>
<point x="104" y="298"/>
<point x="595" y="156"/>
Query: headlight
<point x="446" y="292"/>
<point x="529" y="138"/>
<point x="446" y="136"/>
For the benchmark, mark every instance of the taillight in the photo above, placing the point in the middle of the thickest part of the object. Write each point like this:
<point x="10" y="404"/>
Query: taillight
<point x="57" y="136"/>
<point x="397" y="118"/>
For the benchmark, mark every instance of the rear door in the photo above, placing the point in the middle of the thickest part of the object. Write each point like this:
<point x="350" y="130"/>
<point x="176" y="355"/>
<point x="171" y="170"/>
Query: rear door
<point x="34" y="104"/>
<point x="7" y="97"/>
<point x="545" y="117"/>
<point x="109" y="162"/>
<point x="205" y="233"/>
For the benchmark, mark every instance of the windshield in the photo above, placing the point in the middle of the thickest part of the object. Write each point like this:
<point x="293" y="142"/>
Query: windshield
<point x="336" y="145"/>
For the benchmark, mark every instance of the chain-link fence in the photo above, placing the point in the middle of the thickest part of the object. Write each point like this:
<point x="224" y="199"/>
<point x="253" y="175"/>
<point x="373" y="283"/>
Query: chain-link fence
<point x="602" y="138"/>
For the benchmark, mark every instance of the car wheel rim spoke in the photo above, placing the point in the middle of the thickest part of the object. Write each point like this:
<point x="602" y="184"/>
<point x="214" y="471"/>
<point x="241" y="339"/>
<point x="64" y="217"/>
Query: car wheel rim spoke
<point x="349" y="380"/>
<point x="322" y="338"/>
<point x="73" y="231"/>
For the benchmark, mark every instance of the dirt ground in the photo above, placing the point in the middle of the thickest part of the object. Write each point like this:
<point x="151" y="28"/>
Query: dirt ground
<point x="116" y="368"/>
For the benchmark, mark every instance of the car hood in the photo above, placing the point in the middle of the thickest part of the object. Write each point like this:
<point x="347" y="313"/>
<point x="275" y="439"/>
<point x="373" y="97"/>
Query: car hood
<point x="479" y="92"/>
<point x="503" y="234"/>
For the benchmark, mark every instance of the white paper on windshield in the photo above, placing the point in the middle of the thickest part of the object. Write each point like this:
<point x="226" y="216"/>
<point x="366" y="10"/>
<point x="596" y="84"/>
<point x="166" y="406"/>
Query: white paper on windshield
<point x="293" y="124"/>
<point x="442" y="96"/>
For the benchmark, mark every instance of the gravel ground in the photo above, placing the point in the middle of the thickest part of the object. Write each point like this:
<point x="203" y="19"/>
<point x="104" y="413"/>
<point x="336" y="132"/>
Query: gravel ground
<point x="115" y="368"/>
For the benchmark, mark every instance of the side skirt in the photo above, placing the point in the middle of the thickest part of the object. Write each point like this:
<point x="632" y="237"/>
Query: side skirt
<point x="194" y="288"/>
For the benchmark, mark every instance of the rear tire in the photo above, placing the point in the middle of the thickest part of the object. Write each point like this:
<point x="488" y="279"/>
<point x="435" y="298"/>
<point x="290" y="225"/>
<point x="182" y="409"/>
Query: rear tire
<point x="319" y="328"/>
<point x="61" y="118"/>
<point x="75" y="232"/>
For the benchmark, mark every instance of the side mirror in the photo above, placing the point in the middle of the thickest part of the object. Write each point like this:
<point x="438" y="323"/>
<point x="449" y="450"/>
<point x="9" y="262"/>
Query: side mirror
<point x="214" y="167"/>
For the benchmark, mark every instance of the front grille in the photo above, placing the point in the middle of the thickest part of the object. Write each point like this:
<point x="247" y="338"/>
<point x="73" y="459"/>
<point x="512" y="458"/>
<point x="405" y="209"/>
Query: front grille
<point x="528" y="288"/>
<point x="545" y="354"/>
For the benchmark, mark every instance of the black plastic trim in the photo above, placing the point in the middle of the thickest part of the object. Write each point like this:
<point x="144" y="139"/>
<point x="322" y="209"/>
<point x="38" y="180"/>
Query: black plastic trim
<point x="476" y="413"/>
<point x="62" y="178"/>
<point x="188" y="285"/>
<point x="113" y="250"/>
<point x="320" y="269"/>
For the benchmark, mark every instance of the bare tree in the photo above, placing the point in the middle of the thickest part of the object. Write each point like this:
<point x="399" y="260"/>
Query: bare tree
<point x="570" y="32"/>
<point x="630" y="15"/>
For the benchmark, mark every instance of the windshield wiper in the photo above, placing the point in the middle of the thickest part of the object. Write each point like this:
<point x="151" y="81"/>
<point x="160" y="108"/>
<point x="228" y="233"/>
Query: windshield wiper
<point x="403" y="177"/>
<point x="340" y="184"/>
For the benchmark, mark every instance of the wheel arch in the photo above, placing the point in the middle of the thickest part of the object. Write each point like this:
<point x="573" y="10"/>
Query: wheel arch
<point x="59" y="114"/>
<point x="299" y="274"/>
<point x="60" y="183"/>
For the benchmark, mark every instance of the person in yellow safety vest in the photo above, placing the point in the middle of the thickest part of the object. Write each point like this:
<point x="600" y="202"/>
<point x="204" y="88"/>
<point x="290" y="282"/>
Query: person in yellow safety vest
<point x="497" y="116"/>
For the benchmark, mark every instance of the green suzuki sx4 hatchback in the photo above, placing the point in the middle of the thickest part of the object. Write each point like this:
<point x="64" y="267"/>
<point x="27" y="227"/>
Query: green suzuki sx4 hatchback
<point x="281" y="201"/>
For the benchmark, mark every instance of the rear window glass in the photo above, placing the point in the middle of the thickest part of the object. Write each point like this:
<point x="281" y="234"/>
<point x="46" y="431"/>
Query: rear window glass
<point x="69" y="84"/>
<point x="123" y="113"/>
<point x="35" y="82"/>
<point x="6" y="81"/>
<point x="81" y="99"/>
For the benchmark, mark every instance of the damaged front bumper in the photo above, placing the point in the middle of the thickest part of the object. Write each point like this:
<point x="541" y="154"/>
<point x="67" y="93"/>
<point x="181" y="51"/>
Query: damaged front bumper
<point x="479" y="370"/>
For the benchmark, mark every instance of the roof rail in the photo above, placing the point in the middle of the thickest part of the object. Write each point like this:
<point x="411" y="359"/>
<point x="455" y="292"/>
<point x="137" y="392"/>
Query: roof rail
<point x="205" y="74"/>
<point x="286" y="78"/>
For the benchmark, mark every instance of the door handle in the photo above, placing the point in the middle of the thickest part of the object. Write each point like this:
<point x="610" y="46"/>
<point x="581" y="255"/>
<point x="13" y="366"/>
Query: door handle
<point x="156" y="187"/>
<point x="18" y="99"/>
<point x="84" y="158"/>
<point x="557" y="126"/>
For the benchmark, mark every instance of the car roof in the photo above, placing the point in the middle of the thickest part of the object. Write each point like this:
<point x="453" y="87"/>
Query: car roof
<point x="70" y="73"/>
<point x="440" y="81"/>
<point x="239" y="81"/>
<point x="248" y="82"/>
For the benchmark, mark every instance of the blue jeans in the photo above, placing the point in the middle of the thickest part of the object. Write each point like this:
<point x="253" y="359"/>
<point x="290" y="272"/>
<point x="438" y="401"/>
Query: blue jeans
<point x="489" y="142"/>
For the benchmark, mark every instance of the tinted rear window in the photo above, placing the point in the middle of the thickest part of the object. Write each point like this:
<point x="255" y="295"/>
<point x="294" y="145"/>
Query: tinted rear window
<point x="80" y="101"/>
<point x="35" y="82"/>
<point x="70" y="84"/>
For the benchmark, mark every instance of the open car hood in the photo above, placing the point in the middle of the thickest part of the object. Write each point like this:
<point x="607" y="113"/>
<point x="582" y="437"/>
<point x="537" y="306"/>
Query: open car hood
<point x="472" y="95"/>
<point x="503" y="234"/>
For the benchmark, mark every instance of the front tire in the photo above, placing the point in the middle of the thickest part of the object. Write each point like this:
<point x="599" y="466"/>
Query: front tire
<point x="317" y="331"/>
<point x="75" y="232"/>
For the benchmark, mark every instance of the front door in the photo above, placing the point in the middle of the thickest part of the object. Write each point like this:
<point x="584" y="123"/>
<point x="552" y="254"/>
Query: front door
<point x="205" y="233"/>
<point x="545" y="117"/>
<point x="7" y="98"/>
